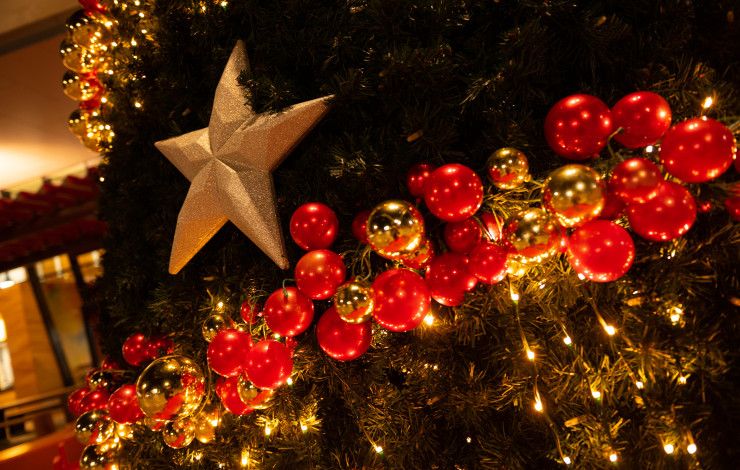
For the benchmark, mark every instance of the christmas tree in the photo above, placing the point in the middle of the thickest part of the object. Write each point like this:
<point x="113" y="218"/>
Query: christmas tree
<point x="542" y="359"/>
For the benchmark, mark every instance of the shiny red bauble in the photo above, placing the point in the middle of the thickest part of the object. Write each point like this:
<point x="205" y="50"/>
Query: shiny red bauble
<point x="110" y="364"/>
<point x="417" y="177"/>
<point x="635" y="180"/>
<point x="318" y="274"/>
<point x="160" y="346"/>
<point x="613" y="205"/>
<point x="644" y="117"/>
<point x="288" y="312"/>
<point x="248" y="311"/>
<point x="448" y="279"/>
<point x="136" y="349"/>
<point x="492" y="226"/>
<point x="668" y="215"/>
<point x="341" y="340"/>
<point x="359" y="226"/>
<point x="95" y="400"/>
<point x="578" y="126"/>
<point x="601" y="250"/>
<point x="453" y="192"/>
<point x="94" y="5"/>
<point x="697" y="150"/>
<point x="463" y="236"/>
<point x="227" y="389"/>
<point x="401" y="299"/>
<point x="226" y="352"/>
<point x="487" y="262"/>
<point x="74" y="401"/>
<point x="123" y="405"/>
<point x="268" y="364"/>
<point x="732" y="204"/>
<point x="314" y="226"/>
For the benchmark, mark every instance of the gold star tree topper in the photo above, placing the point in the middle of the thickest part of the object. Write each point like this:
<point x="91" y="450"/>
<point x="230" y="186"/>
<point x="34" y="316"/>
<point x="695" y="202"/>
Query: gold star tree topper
<point x="230" y="164"/>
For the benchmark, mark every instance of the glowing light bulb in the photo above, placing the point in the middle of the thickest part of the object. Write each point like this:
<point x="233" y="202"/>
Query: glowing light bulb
<point x="596" y="394"/>
<point x="708" y="102"/>
<point x="567" y="460"/>
<point x="219" y="306"/>
<point x="530" y="354"/>
<point x="691" y="448"/>
<point x="648" y="149"/>
<point x="613" y="457"/>
<point x="567" y="341"/>
<point x="378" y="449"/>
<point x="276" y="336"/>
<point x="244" y="461"/>
<point x="268" y="430"/>
<point x="639" y="384"/>
<point x="289" y="381"/>
<point x="581" y="277"/>
<point x="668" y="448"/>
<point x="610" y="330"/>
<point x="429" y="319"/>
<point x="538" y="406"/>
<point x="682" y="380"/>
<point x="304" y="428"/>
<point x="468" y="439"/>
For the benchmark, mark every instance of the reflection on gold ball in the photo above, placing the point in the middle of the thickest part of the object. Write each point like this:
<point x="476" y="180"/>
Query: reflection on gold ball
<point x="92" y="30"/>
<point x="573" y="194"/>
<point x="206" y="423"/>
<point x="178" y="434"/>
<point x="532" y="236"/>
<point x="212" y="325"/>
<point x="125" y="431"/>
<point x="420" y="258"/>
<point x="170" y="388"/>
<point x="80" y="87"/>
<point x="101" y="457"/>
<point x="94" y="427"/>
<point x="77" y="58"/>
<point x="77" y="123"/>
<point x="99" y="134"/>
<point x="395" y="229"/>
<point x="508" y="168"/>
<point x="99" y="379"/>
<point x="354" y="301"/>
<point x="252" y="396"/>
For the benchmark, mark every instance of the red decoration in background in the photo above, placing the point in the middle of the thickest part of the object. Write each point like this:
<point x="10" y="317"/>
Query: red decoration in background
<point x="248" y="311"/>
<point x="613" y="205"/>
<point x="463" y="236"/>
<point x="644" y="117"/>
<point x="417" y="177"/>
<point x="668" y="215"/>
<point x="732" y="204"/>
<point x="135" y="349"/>
<point x="160" y="346"/>
<point x="488" y="262"/>
<point x="697" y="150"/>
<point x="74" y="401"/>
<point x="110" y="364"/>
<point x="635" y="180"/>
<point x="318" y="274"/>
<point x="93" y="5"/>
<point x="401" y="299"/>
<point x="95" y="400"/>
<point x="227" y="389"/>
<point x="448" y="279"/>
<point x="123" y="405"/>
<point x="226" y="352"/>
<point x="453" y="192"/>
<point x="268" y="364"/>
<point x="288" y="312"/>
<point x="601" y="250"/>
<point x="577" y="127"/>
<point x="341" y="340"/>
<point x="314" y="226"/>
<point x="359" y="226"/>
<point x="492" y="225"/>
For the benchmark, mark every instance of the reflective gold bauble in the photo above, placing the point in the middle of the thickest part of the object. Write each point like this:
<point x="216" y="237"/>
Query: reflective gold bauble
<point x="92" y="30"/>
<point x="532" y="236"/>
<point x="395" y="229"/>
<point x="178" y="434"/>
<point x="101" y="457"/>
<point x="94" y="427"/>
<point x="77" y="123"/>
<point x="80" y="87"/>
<point x="153" y="424"/>
<point x="213" y="324"/>
<point x="515" y="268"/>
<point x="573" y="194"/>
<point x="99" y="379"/>
<point x="125" y="431"/>
<point x="170" y="388"/>
<point x="99" y="134"/>
<point x="354" y="301"/>
<point x="420" y="258"/>
<point x="77" y="58"/>
<point x="252" y="396"/>
<point x="206" y="423"/>
<point x="508" y="168"/>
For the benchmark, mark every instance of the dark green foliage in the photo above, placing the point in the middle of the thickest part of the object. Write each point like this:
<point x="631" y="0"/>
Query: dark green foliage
<point x="465" y="77"/>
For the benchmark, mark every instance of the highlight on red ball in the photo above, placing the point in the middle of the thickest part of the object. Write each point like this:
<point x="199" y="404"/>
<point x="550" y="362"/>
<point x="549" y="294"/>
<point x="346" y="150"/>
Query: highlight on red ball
<point x="314" y="226"/>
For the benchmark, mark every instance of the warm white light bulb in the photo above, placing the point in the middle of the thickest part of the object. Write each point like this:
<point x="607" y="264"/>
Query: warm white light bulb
<point x="596" y="394"/>
<point x="708" y="102"/>
<point x="378" y="449"/>
<point x="530" y="354"/>
<point x="610" y="330"/>
<point x="567" y="460"/>
<point x="639" y="384"/>
<point x="691" y="448"/>
<point x="567" y="341"/>
<point x="668" y="448"/>
<point x="613" y="457"/>
<point x="429" y="319"/>
<point x="538" y="406"/>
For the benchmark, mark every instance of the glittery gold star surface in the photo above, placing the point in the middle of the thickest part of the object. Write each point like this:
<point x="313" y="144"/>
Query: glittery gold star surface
<point x="230" y="164"/>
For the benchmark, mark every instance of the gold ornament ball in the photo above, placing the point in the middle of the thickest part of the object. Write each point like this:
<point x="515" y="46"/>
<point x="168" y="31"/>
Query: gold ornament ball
<point x="80" y="87"/>
<point x="76" y="57"/>
<point x="395" y="229"/>
<point x="532" y="236"/>
<point x="94" y="427"/>
<point x="100" y="458"/>
<point x="206" y="423"/>
<point x="420" y="258"/>
<point x="573" y="194"/>
<point x="213" y="324"/>
<point x="125" y="431"/>
<point x="91" y="30"/>
<point x="179" y="434"/>
<point x="99" y="135"/>
<point x="170" y="388"/>
<point x="354" y="301"/>
<point x="253" y="397"/>
<point x="99" y="379"/>
<point x="508" y="168"/>
<point x="77" y="123"/>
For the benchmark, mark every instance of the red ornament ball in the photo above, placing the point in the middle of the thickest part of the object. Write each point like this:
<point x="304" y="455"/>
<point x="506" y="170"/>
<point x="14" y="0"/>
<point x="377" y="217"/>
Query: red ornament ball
<point x="288" y="312"/>
<point x="227" y="389"/>
<point x="93" y="5"/>
<point x="644" y="117"/>
<point x="578" y="126"/>
<point x="359" y="226"/>
<point x="95" y="400"/>
<point x="668" y="215"/>
<point x="448" y="279"/>
<point x="123" y="405"/>
<point x="136" y="349"/>
<point x="319" y="273"/>
<point x="160" y="346"/>
<point x="342" y="340"/>
<point x="74" y="401"/>
<point x="635" y="180"/>
<point x="613" y="205"/>
<point x="697" y="150"/>
<point x="248" y="311"/>
<point x="463" y="236"/>
<point x="401" y="299"/>
<point x="601" y="250"/>
<point x="268" y="364"/>
<point x="492" y="226"/>
<point x="488" y="262"/>
<point x="110" y="364"/>
<point x="226" y="352"/>
<point x="314" y="226"/>
<point x="417" y="177"/>
<point x="732" y="204"/>
<point x="453" y="192"/>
